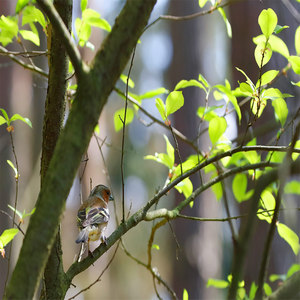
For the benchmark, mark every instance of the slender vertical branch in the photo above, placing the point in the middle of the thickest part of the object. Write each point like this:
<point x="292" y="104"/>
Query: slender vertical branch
<point x="123" y="137"/>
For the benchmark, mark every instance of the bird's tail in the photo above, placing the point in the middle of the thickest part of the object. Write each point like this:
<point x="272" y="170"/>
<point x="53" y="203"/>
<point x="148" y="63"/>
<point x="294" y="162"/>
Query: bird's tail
<point x="83" y="235"/>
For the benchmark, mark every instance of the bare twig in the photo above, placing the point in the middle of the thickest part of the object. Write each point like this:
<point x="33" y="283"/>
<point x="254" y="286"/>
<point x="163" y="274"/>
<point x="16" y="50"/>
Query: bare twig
<point x="123" y="136"/>
<point x="22" y="63"/>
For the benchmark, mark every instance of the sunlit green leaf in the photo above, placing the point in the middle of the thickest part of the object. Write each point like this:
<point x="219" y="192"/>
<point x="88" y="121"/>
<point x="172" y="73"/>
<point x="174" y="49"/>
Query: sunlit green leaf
<point x="155" y="246"/>
<point x="267" y="77"/>
<point x="217" y="283"/>
<point x="292" y="270"/>
<point x="239" y="187"/>
<point x="186" y="83"/>
<point x="92" y="18"/>
<point x="281" y="110"/>
<point x="202" y="3"/>
<point x="13" y="167"/>
<point x="185" y="295"/>
<point x="119" y="117"/>
<point x="83" y="4"/>
<point x="20" y="5"/>
<point x="185" y="187"/>
<point x="216" y="128"/>
<point x="174" y="102"/>
<point x="295" y="155"/>
<point x="262" y="54"/>
<point x="267" y="289"/>
<point x="289" y="236"/>
<point x="249" y="81"/>
<point x="203" y="80"/>
<point x="7" y="235"/>
<point x="292" y="187"/>
<point x="32" y="14"/>
<point x="161" y="108"/>
<point x="124" y="78"/>
<point x="19" y="117"/>
<point x="30" y="36"/>
<point x="264" y="215"/>
<point x="207" y="113"/>
<point x="267" y="21"/>
<point x="154" y="93"/>
<point x="8" y="29"/>
<point x="225" y="19"/>
<point x="295" y="62"/>
<point x="2" y="121"/>
<point x="297" y="40"/>
<point x="277" y="44"/>
<point x="253" y="290"/>
<point x="170" y="151"/>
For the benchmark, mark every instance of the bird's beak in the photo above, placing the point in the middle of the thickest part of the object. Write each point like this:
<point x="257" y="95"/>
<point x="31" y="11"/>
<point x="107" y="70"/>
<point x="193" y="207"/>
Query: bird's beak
<point x="111" y="198"/>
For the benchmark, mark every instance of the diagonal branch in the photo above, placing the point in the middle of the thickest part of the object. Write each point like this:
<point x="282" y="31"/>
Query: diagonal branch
<point x="60" y="27"/>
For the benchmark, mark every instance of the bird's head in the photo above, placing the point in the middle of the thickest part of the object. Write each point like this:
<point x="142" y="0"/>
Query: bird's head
<point x="102" y="192"/>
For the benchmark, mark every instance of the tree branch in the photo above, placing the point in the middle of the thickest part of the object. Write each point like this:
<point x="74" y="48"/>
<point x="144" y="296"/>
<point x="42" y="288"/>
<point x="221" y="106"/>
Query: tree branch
<point x="61" y="29"/>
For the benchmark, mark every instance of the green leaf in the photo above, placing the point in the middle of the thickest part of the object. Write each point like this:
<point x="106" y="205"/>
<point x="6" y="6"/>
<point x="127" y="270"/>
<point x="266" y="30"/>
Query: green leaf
<point x="186" y="83"/>
<point x="92" y="18"/>
<point x="253" y="290"/>
<point x="248" y="80"/>
<point x="289" y="236"/>
<point x="83" y="4"/>
<point x="267" y="289"/>
<point x="161" y="108"/>
<point x="216" y="128"/>
<point x="155" y="246"/>
<point x="174" y="102"/>
<point x="119" y="118"/>
<point x="8" y="29"/>
<point x="262" y="54"/>
<point x="281" y="110"/>
<point x="292" y="270"/>
<point x="267" y="77"/>
<point x="239" y="186"/>
<point x="185" y="187"/>
<point x="277" y="44"/>
<point x="16" y="211"/>
<point x="20" y="5"/>
<point x="2" y="121"/>
<point x="297" y="40"/>
<point x="203" y="80"/>
<point x="246" y="88"/>
<point x="292" y="187"/>
<point x="202" y="3"/>
<point x="5" y="115"/>
<point x="32" y="14"/>
<point x="295" y="62"/>
<point x="154" y="93"/>
<point x="7" y="235"/>
<point x="228" y="26"/>
<point x="217" y="283"/>
<point x="19" y="117"/>
<point x="295" y="155"/>
<point x="14" y="168"/>
<point x="207" y="114"/>
<point x="264" y="215"/>
<point x="30" y="36"/>
<point x="170" y="151"/>
<point x="83" y="31"/>
<point x="267" y="21"/>
<point x="279" y="28"/>
<point x="130" y="81"/>
<point x="185" y="295"/>
<point x="268" y="201"/>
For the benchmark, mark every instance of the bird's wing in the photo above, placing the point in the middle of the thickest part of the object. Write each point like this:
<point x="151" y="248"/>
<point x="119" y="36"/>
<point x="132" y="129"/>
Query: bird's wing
<point x="92" y="216"/>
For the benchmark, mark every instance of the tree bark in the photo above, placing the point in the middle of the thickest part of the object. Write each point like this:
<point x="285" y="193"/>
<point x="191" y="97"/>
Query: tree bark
<point x="53" y="121"/>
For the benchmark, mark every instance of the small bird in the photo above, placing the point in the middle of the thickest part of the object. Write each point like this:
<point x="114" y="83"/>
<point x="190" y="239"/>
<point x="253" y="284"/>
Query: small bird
<point x="93" y="215"/>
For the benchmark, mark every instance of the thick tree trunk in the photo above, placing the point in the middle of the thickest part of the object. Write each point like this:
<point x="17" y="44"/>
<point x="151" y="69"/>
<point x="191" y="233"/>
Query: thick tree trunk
<point x="53" y="120"/>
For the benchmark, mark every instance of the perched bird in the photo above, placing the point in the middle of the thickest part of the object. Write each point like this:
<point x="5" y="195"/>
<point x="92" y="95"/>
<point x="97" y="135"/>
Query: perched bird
<point x="93" y="215"/>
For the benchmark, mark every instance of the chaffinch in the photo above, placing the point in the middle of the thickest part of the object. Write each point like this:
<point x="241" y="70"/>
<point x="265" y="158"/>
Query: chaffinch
<point x="93" y="215"/>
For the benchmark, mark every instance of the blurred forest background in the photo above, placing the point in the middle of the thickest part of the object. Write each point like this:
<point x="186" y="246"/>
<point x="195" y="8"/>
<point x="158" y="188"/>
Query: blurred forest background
<point x="169" y="51"/>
